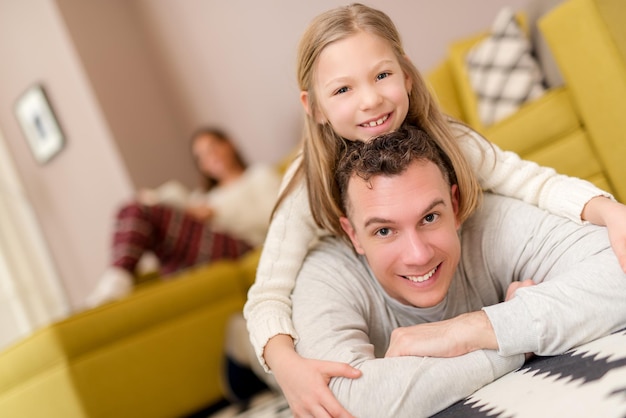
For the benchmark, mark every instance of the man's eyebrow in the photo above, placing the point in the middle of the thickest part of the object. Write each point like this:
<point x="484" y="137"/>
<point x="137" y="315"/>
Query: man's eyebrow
<point x="377" y="220"/>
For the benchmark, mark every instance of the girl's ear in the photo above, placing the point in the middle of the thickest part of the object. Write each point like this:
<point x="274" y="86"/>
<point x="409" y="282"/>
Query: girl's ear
<point x="304" y="99"/>
<point x="408" y="83"/>
<point x="306" y="104"/>
<point x="346" y="225"/>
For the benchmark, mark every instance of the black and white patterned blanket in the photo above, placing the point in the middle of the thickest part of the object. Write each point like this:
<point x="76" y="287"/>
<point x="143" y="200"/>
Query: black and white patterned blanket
<point x="588" y="381"/>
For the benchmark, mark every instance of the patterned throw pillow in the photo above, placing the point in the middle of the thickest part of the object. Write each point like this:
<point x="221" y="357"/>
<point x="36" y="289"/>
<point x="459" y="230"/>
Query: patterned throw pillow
<point x="502" y="71"/>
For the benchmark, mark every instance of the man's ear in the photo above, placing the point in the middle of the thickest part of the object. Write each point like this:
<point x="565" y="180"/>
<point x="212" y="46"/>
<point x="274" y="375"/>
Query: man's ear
<point x="346" y="225"/>
<point x="306" y="104"/>
<point x="455" y="197"/>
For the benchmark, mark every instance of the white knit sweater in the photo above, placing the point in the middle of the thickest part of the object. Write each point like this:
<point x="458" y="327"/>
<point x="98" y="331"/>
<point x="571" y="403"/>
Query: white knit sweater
<point x="293" y="231"/>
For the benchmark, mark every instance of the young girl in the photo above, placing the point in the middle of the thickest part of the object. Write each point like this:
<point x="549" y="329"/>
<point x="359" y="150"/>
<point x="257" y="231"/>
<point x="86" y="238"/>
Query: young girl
<point x="356" y="82"/>
<point x="223" y="219"/>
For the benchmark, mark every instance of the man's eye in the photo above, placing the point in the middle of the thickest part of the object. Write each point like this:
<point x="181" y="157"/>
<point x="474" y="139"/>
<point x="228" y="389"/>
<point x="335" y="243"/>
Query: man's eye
<point x="382" y="75"/>
<point x="383" y="232"/>
<point x="430" y="218"/>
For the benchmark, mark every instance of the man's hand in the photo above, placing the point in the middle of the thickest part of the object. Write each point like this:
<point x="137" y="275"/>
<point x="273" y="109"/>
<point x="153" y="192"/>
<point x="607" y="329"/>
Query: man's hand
<point x="304" y="382"/>
<point x="449" y="338"/>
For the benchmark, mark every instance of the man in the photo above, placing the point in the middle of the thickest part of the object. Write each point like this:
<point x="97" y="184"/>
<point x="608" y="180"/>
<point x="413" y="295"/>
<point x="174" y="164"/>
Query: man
<point x="415" y="264"/>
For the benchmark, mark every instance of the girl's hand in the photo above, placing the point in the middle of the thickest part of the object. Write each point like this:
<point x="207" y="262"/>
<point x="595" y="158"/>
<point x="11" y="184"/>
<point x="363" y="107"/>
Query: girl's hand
<point x="304" y="382"/>
<point x="603" y="211"/>
<point x="616" y="224"/>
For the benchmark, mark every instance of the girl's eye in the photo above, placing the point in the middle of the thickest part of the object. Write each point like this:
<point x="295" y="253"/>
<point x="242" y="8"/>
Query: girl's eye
<point x="381" y="76"/>
<point x="383" y="232"/>
<point x="341" y="90"/>
<point x="430" y="218"/>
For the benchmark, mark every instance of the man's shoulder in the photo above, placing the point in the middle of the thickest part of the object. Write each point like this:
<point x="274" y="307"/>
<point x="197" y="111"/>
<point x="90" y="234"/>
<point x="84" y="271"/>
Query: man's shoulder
<point x="334" y="252"/>
<point x="498" y="208"/>
<point x="333" y="259"/>
<point x="501" y="219"/>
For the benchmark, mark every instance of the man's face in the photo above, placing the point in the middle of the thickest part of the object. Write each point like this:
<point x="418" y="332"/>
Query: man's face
<point x="406" y="227"/>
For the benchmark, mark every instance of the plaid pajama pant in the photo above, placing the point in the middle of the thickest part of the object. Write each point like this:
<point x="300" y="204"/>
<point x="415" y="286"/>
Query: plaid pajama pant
<point x="177" y="239"/>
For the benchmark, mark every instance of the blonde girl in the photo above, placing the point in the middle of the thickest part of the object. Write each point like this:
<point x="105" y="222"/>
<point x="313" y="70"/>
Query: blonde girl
<point x="356" y="82"/>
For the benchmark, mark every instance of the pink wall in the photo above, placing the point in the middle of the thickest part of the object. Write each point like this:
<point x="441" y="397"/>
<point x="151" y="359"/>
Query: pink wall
<point x="233" y="62"/>
<point x="131" y="91"/>
<point x="130" y="79"/>
<point x="74" y="194"/>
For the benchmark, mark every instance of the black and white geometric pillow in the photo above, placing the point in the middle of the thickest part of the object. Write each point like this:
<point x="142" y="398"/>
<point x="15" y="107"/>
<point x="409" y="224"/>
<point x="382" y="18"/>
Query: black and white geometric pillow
<point x="502" y="70"/>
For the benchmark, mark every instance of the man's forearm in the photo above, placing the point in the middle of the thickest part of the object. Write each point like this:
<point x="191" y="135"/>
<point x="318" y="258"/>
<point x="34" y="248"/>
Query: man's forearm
<point x="417" y="386"/>
<point x="450" y="338"/>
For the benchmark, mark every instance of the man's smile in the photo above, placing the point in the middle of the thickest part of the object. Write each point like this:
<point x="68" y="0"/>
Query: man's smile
<point x="423" y="278"/>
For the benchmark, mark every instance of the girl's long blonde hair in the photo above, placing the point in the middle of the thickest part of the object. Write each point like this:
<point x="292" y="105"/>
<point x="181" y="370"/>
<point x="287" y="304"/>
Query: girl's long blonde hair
<point x="322" y="146"/>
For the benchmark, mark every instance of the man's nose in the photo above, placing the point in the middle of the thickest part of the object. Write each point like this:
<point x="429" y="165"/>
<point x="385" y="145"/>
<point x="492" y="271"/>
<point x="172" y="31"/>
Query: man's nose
<point x="418" y="250"/>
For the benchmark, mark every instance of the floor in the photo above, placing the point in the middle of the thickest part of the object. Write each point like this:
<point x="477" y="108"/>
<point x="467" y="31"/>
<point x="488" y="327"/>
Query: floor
<point x="264" y="405"/>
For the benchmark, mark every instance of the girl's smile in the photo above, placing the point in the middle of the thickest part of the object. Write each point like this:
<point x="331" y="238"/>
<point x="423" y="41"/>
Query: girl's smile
<point x="361" y="88"/>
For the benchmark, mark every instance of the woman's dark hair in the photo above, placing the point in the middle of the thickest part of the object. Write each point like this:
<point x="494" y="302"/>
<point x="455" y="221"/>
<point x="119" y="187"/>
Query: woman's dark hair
<point x="208" y="182"/>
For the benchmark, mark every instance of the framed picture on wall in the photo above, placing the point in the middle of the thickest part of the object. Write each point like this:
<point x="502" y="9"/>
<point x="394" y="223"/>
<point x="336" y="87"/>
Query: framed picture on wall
<point x="39" y="124"/>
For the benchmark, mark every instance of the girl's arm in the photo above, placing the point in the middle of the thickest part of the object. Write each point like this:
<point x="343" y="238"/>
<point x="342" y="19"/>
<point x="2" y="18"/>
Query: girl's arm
<point x="290" y="234"/>
<point x="268" y="309"/>
<point x="505" y="173"/>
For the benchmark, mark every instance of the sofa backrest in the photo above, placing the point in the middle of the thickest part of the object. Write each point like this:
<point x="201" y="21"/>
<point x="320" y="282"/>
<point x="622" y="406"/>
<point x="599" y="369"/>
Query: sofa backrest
<point x="588" y="40"/>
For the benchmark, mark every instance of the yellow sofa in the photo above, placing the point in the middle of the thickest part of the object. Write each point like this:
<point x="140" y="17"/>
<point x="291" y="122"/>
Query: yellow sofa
<point x="156" y="353"/>
<point x="578" y="128"/>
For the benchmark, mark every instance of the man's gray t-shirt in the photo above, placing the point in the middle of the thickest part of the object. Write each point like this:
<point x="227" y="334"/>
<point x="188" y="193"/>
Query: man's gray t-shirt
<point x="342" y="314"/>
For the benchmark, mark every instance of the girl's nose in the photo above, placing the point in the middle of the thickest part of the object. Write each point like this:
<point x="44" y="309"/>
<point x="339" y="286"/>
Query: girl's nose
<point x="370" y="97"/>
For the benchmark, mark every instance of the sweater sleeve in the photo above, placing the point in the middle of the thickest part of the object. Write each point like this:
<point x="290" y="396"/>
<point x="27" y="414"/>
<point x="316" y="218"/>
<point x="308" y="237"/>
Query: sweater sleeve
<point x="580" y="289"/>
<point x="505" y="173"/>
<point x="291" y="233"/>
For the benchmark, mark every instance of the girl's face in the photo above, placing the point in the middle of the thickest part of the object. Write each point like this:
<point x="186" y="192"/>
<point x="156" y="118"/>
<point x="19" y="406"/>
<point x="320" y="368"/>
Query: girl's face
<point x="360" y="87"/>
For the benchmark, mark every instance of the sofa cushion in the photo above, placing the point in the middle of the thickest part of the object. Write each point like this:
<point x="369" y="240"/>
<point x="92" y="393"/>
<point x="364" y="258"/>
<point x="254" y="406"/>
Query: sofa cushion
<point x="502" y="71"/>
<point x="536" y="124"/>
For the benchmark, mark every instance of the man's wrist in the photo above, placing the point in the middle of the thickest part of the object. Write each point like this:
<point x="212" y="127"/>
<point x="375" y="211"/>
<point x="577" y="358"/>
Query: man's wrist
<point x="476" y="331"/>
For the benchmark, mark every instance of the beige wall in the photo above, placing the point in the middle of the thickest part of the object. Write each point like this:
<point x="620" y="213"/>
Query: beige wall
<point x="130" y="79"/>
<point x="73" y="195"/>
